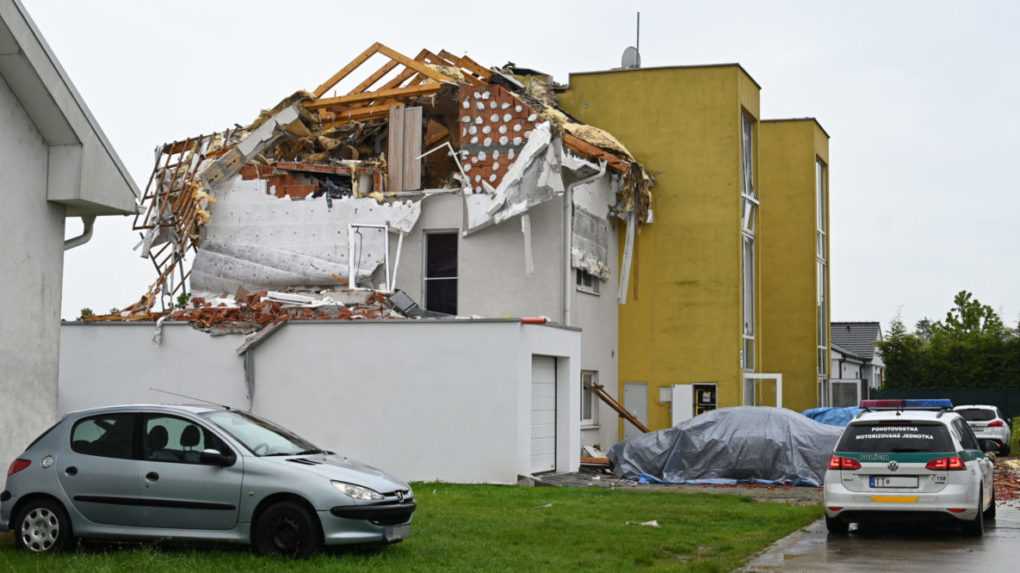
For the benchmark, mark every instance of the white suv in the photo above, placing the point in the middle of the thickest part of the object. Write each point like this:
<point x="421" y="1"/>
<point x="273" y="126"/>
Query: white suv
<point x="904" y="464"/>
<point x="988" y="424"/>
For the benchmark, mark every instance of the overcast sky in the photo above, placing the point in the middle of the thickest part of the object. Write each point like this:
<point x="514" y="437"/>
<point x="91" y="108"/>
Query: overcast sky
<point x="920" y="99"/>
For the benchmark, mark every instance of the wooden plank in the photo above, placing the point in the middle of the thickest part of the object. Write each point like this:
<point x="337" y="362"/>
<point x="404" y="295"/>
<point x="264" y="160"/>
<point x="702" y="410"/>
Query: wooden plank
<point x="415" y="65"/>
<point x="411" y="176"/>
<point x="404" y="75"/>
<point x="469" y="64"/>
<point x="335" y="118"/>
<point x="385" y="69"/>
<point x="430" y="87"/>
<point x="584" y="148"/>
<point x="346" y="70"/>
<point x="624" y="413"/>
<point x="395" y="150"/>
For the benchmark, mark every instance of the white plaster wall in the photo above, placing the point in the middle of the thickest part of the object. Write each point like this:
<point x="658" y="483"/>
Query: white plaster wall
<point x="492" y="279"/>
<point x="598" y="318"/>
<point x="118" y="363"/>
<point x="423" y="400"/>
<point x="31" y="262"/>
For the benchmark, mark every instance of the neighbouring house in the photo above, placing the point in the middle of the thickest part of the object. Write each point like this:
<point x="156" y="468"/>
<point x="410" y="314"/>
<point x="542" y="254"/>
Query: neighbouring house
<point x="846" y="388"/>
<point x="738" y="249"/>
<point x="859" y="340"/>
<point x="441" y="241"/>
<point x="56" y="164"/>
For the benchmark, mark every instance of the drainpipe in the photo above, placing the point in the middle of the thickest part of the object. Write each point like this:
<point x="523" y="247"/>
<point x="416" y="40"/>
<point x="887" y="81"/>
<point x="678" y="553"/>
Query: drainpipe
<point x="88" y="221"/>
<point x="568" y="234"/>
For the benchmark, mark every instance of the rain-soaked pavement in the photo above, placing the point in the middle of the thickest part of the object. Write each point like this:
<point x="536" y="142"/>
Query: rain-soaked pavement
<point x="921" y="549"/>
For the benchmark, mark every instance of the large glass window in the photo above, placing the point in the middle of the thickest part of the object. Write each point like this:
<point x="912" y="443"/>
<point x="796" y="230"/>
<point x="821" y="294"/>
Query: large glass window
<point x="821" y="248"/>
<point x="749" y="214"/>
<point x="589" y="402"/>
<point x="108" y="436"/>
<point x="441" y="272"/>
<point x="884" y="437"/>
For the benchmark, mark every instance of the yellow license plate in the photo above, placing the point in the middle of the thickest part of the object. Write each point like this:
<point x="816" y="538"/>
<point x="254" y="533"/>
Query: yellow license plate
<point x="894" y="498"/>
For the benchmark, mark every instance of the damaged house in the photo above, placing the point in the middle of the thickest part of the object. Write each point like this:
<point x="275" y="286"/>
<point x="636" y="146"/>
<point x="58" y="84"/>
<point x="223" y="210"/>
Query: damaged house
<point x="418" y="247"/>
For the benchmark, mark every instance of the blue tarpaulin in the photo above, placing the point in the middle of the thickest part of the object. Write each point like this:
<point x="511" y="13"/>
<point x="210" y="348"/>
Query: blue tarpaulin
<point x="833" y="416"/>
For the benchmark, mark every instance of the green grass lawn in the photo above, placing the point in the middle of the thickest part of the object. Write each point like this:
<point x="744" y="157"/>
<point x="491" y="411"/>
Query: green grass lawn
<point x="494" y="528"/>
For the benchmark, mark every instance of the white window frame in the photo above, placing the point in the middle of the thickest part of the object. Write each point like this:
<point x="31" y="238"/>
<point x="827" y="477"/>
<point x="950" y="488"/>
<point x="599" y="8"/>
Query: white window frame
<point x="425" y="278"/>
<point x="356" y="246"/>
<point x="593" y="379"/>
<point x="749" y="205"/>
<point x="833" y="382"/>
<point x="821" y="268"/>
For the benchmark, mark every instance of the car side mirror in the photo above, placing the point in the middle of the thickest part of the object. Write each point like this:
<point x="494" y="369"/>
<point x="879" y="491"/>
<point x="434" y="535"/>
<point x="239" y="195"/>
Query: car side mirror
<point x="211" y="457"/>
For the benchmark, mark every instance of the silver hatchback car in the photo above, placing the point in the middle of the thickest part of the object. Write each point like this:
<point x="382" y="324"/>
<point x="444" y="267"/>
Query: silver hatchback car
<point x="195" y="473"/>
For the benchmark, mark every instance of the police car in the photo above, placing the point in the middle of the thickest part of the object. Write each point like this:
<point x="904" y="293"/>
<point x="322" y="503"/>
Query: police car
<point x="908" y="460"/>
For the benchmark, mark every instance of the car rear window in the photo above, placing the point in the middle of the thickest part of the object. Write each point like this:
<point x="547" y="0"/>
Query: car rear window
<point x="977" y="414"/>
<point x="896" y="437"/>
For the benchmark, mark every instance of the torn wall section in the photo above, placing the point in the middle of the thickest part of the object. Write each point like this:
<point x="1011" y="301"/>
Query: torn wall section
<point x="257" y="240"/>
<point x="589" y="244"/>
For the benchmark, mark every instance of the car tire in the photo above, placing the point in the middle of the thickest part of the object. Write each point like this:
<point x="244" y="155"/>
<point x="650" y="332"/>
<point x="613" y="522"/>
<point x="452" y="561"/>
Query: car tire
<point x="976" y="526"/>
<point x="289" y="529"/>
<point x="836" y="526"/>
<point x="1004" y="451"/>
<point x="42" y="526"/>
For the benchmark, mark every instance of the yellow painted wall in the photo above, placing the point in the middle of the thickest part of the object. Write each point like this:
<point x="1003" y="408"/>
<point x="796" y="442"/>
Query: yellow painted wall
<point x="681" y="323"/>
<point x="788" y="150"/>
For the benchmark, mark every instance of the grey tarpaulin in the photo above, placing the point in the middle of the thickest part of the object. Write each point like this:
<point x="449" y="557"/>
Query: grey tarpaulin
<point x="732" y="444"/>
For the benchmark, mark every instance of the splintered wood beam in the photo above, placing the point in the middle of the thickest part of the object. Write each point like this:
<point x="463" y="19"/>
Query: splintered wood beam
<point x="376" y="76"/>
<point x="600" y="391"/>
<point x="427" y="88"/>
<point x="415" y="65"/>
<point x="346" y="70"/>
<point x="584" y="148"/>
<point x="345" y="116"/>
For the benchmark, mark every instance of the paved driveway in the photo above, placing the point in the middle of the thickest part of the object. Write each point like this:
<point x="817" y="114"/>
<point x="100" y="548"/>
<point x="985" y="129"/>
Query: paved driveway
<point x="928" y="550"/>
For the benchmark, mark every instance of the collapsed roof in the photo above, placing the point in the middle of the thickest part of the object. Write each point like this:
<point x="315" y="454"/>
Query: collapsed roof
<point x="415" y="126"/>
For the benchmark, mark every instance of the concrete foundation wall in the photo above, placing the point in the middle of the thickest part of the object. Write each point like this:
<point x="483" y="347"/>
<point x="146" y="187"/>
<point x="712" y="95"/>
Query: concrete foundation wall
<point x="424" y="400"/>
<point x="31" y="266"/>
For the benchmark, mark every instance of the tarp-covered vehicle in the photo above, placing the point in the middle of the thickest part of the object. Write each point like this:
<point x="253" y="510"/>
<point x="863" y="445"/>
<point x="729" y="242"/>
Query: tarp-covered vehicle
<point x="730" y="445"/>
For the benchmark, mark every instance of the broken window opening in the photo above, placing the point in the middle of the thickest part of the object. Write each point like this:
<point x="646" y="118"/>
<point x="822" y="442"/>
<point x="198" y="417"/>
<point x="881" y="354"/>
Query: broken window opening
<point x="749" y="214"/>
<point x="441" y="272"/>
<point x="587" y="282"/>
<point x="589" y="403"/>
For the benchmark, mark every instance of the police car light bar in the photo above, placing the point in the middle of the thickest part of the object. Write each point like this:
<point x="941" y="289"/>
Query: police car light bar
<point x="910" y="404"/>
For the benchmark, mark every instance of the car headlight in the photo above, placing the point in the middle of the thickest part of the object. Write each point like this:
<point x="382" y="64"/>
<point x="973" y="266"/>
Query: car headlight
<point x="357" y="492"/>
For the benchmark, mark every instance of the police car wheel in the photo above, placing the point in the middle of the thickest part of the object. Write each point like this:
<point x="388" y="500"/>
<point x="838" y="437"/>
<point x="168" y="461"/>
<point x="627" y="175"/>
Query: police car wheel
<point x="837" y="526"/>
<point x="1004" y="451"/>
<point x="990" y="512"/>
<point x="976" y="526"/>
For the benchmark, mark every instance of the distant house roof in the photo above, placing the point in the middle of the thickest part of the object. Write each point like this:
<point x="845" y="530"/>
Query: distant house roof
<point x="86" y="175"/>
<point x="848" y="355"/>
<point x="857" y="338"/>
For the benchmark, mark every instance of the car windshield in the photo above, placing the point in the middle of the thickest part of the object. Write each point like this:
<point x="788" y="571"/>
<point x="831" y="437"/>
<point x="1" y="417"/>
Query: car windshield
<point x="262" y="438"/>
<point x="976" y="414"/>
<point x="896" y="436"/>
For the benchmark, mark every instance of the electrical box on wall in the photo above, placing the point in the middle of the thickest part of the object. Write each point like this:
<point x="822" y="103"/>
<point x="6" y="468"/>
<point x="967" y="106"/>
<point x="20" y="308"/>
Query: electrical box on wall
<point x="665" y="394"/>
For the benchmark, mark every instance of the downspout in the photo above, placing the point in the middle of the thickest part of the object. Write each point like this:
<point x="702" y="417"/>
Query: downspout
<point x="88" y="222"/>
<point x="568" y="235"/>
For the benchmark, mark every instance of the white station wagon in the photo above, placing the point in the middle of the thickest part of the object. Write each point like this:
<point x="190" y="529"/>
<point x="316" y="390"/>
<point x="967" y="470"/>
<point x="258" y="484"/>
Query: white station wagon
<point x="909" y="460"/>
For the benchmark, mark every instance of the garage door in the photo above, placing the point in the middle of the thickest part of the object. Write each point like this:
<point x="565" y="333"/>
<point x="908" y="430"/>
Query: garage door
<point x="543" y="414"/>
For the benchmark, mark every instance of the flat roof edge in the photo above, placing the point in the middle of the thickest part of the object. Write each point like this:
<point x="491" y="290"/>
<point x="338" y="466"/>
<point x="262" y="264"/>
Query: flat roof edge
<point x="337" y="322"/>
<point x="796" y="119"/>
<point x="675" y="67"/>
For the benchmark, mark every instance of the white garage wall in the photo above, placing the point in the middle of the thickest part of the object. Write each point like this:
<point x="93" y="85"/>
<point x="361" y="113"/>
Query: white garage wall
<point x="446" y="401"/>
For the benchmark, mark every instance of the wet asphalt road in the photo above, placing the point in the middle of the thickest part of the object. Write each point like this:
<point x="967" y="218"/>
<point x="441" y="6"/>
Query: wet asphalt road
<point x="922" y="549"/>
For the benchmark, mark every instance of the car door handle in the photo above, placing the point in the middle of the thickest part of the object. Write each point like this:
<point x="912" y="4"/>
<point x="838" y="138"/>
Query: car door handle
<point x="71" y="471"/>
<point x="152" y="476"/>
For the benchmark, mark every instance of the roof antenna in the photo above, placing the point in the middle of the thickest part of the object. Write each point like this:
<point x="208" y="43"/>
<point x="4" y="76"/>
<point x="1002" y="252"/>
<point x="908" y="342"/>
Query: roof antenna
<point x="632" y="55"/>
<point x="224" y="406"/>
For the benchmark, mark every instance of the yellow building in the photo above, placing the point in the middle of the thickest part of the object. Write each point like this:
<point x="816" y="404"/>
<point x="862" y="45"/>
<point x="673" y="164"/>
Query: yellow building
<point x="721" y="268"/>
<point x="794" y="177"/>
<point x="690" y="330"/>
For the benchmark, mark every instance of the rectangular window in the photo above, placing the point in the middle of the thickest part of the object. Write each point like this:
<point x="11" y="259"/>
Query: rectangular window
<point x="441" y="272"/>
<point x="587" y="282"/>
<point x="749" y="213"/>
<point x="108" y="436"/>
<point x="821" y="249"/>
<point x="176" y="440"/>
<point x="589" y="401"/>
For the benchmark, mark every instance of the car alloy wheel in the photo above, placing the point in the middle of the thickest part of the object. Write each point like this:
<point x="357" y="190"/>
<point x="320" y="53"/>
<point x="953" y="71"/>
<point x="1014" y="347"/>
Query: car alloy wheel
<point x="40" y="530"/>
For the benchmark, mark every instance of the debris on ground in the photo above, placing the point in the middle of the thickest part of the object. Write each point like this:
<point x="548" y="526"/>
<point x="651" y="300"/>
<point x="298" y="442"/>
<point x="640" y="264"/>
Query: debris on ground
<point x="1007" y="482"/>
<point x="729" y="446"/>
<point x="652" y="523"/>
